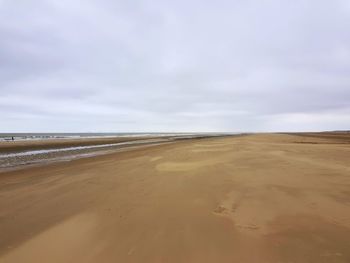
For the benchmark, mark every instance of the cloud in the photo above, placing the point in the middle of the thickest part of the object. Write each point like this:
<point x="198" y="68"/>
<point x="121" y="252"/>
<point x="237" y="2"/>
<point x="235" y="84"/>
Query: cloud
<point x="174" y="65"/>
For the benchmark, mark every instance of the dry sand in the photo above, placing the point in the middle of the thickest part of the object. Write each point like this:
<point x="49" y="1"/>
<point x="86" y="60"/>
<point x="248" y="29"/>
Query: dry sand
<point x="260" y="198"/>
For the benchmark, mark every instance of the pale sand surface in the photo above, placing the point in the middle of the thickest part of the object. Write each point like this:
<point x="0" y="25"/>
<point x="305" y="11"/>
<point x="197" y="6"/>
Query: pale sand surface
<point x="262" y="198"/>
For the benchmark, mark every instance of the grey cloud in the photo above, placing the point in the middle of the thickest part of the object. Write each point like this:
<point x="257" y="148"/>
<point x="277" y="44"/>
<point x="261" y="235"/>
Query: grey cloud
<point x="174" y="65"/>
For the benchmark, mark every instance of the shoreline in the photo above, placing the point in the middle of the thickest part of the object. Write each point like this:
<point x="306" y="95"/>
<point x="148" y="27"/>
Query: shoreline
<point x="29" y="145"/>
<point x="32" y="144"/>
<point x="18" y="155"/>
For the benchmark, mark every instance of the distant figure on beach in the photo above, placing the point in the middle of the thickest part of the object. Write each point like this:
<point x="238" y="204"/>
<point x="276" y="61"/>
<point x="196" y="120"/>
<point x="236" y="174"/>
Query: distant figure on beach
<point x="13" y="138"/>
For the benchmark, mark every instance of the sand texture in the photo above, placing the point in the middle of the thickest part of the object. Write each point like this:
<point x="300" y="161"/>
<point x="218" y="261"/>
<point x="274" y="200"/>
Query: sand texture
<point x="265" y="198"/>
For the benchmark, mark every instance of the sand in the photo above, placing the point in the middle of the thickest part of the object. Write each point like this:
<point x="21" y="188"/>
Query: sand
<point x="262" y="198"/>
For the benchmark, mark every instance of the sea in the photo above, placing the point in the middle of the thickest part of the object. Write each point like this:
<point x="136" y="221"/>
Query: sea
<point x="45" y="136"/>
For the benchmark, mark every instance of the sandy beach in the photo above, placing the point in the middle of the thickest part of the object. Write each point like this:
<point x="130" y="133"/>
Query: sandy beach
<point x="263" y="198"/>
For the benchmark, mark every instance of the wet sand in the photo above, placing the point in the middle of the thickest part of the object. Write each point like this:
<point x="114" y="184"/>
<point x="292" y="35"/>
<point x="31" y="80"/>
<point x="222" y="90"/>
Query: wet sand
<point x="16" y="155"/>
<point x="259" y="198"/>
<point x="29" y="145"/>
<point x="14" y="160"/>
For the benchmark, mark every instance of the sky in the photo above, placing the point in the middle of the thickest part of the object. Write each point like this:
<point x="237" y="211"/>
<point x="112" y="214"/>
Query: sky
<point x="174" y="66"/>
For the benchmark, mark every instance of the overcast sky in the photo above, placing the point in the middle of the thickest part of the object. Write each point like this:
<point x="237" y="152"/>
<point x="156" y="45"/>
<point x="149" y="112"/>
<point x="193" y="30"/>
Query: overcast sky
<point x="184" y="65"/>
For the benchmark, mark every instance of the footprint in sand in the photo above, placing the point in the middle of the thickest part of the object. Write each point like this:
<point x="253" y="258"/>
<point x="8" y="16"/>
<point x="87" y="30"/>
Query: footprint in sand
<point x="220" y="210"/>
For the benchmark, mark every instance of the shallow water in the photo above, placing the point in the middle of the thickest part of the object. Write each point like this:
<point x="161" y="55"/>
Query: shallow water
<point x="15" y="159"/>
<point x="43" y="151"/>
<point x="48" y="136"/>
